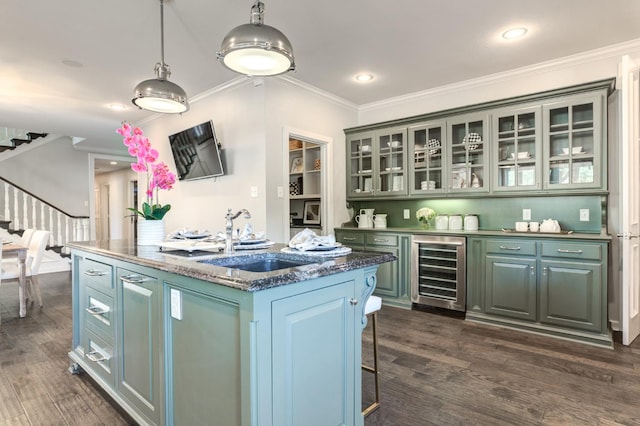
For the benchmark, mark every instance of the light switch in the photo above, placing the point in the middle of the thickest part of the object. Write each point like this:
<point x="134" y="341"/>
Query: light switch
<point x="584" y="215"/>
<point x="254" y="192"/>
<point x="176" y="304"/>
<point x="280" y="191"/>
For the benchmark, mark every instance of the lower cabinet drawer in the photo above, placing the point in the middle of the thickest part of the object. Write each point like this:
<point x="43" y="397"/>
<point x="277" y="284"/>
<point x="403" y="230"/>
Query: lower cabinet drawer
<point x="512" y="247"/>
<point x="98" y="355"/>
<point x="572" y="250"/>
<point x="350" y="238"/>
<point x="97" y="273"/>
<point x="381" y="240"/>
<point x="99" y="314"/>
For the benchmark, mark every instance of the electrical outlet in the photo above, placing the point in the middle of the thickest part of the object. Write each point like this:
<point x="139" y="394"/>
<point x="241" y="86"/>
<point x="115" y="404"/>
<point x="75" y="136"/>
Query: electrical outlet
<point x="526" y="214"/>
<point x="584" y="215"/>
<point x="406" y="214"/>
<point x="254" y="192"/>
<point x="176" y="304"/>
<point x="280" y="192"/>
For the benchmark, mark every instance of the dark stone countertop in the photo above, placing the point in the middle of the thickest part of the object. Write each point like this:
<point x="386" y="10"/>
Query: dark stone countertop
<point x="485" y="233"/>
<point x="151" y="256"/>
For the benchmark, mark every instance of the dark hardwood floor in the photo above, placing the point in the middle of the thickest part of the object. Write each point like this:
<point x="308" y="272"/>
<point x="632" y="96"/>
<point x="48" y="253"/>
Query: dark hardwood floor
<point x="435" y="370"/>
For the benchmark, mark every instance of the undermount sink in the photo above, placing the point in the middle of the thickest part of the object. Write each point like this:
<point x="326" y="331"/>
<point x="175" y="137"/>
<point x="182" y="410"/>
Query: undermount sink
<point x="265" y="262"/>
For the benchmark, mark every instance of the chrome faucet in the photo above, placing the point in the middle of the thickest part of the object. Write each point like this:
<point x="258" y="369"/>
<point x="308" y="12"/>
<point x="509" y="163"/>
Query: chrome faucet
<point x="228" y="249"/>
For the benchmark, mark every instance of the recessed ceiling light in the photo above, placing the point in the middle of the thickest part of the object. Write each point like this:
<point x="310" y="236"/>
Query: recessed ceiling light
<point x="364" y="77"/>
<point x="113" y="163"/>
<point x="512" y="33"/>
<point x="117" y="107"/>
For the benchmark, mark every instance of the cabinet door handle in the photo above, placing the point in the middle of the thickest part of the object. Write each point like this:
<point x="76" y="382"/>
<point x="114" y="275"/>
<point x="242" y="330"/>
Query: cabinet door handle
<point x="509" y="248"/>
<point x="627" y="235"/>
<point x="353" y="301"/>
<point x="545" y="270"/>
<point x="569" y="251"/>
<point x="532" y="269"/>
<point x="94" y="310"/>
<point x="95" y="273"/>
<point x="133" y="278"/>
<point x="348" y="238"/>
<point x="96" y="356"/>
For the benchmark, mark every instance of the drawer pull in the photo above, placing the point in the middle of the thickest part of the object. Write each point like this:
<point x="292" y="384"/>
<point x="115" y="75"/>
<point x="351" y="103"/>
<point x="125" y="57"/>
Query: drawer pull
<point x="133" y="279"/>
<point x="97" y="356"/>
<point x="509" y="248"/>
<point x="348" y="238"/>
<point x="95" y="273"/>
<point x="569" y="251"/>
<point x="380" y="240"/>
<point x="95" y="310"/>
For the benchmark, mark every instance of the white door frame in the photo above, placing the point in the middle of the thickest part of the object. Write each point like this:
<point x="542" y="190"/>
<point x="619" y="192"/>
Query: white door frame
<point x="326" y="173"/>
<point x="629" y="199"/>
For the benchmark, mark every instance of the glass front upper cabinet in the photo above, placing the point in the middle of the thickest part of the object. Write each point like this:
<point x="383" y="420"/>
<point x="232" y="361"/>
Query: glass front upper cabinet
<point x="517" y="149"/>
<point x="573" y="140"/>
<point x="427" y="158"/>
<point x="468" y="153"/>
<point x="390" y="163"/>
<point x="360" y="164"/>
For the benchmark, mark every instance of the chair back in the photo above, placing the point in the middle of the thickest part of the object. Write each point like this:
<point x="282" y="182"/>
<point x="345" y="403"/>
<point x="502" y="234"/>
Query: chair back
<point x="25" y="240"/>
<point x="37" y="247"/>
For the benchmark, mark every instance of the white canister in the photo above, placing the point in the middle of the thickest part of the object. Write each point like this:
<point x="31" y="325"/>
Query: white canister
<point x="471" y="222"/>
<point x="442" y="222"/>
<point x="455" y="222"/>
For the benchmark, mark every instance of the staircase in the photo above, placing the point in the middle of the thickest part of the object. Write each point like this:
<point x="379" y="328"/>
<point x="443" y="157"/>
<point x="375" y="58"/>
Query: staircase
<point x="24" y="210"/>
<point x="10" y="139"/>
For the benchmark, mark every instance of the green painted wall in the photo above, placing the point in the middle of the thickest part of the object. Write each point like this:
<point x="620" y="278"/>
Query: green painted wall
<point x="498" y="212"/>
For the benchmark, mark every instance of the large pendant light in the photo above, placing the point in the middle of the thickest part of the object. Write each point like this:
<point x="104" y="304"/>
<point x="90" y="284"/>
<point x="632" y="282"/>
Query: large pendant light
<point x="256" y="49"/>
<point x="159" y="94"/>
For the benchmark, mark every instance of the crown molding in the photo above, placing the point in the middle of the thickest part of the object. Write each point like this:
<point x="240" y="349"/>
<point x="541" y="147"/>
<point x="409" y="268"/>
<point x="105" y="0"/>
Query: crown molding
<point x="318" y="92"/>
<point x="584" y="58"/>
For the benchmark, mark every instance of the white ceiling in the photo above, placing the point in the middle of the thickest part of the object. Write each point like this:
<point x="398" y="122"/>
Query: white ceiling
<point x="410" y="45"/>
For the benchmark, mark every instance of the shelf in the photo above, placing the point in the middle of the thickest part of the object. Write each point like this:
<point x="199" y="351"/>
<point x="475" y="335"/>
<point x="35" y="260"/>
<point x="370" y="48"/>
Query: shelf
<point x="304" y="196"/>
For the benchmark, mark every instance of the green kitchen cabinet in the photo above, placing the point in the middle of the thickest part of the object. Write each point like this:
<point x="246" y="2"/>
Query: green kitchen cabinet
<point x="392" y="278"/>
<point x="551" y="286"/>
<point x="139" y="337"/>
<point x="469" y="153"/>
<point x="574" y="147"/>
<point x="427" y="156"/>
<point x="510" y="287"/>
<point x="377" y="164"/>
<point x="517" y="148"/>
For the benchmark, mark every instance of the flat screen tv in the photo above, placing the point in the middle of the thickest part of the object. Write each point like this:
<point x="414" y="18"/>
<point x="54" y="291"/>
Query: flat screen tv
<point x="197" y="153"/>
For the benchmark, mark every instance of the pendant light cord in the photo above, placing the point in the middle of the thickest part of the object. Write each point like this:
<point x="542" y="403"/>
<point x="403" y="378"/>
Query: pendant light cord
<point x="162" y="32"/>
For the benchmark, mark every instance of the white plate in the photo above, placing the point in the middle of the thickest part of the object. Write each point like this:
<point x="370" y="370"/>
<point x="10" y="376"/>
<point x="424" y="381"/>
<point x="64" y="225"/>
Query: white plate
<point x="253" y="241"/>
<point x="191" y="245"/>
<point x="259" y="246"/>
<point x="339" y="251"/>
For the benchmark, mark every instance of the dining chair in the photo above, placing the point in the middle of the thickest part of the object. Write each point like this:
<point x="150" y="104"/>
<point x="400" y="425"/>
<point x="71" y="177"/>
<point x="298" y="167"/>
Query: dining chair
<point x="35" y="253"/>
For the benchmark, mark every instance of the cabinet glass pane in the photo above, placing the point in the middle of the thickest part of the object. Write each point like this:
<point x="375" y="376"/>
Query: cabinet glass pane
<point x="468" y="154"/>
<point x="361" y="165"/>
<point x="517" y="143"/>
<point x="391" y="161"/>
<point x="427" y="159"/>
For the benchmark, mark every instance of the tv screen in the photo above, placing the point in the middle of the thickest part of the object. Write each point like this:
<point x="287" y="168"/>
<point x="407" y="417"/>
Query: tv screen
<point x="196" y="152"/>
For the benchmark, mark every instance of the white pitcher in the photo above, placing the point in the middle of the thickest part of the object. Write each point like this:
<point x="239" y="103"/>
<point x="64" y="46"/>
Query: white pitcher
<point x="365" y="218"/>
<point x="380" y="220"/>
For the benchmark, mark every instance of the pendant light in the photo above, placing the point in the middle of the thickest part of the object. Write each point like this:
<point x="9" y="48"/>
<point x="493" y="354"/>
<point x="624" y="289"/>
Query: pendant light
<point x="256" y="49"/>
<point x="159" y="94"/>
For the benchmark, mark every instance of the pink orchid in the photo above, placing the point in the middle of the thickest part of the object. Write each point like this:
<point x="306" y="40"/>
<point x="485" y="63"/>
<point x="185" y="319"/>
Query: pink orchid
<point x="158" y="174"/>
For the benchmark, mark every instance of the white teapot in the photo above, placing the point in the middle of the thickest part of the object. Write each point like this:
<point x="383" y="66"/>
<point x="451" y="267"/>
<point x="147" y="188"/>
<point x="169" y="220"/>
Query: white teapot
<point x="550" y="225"/>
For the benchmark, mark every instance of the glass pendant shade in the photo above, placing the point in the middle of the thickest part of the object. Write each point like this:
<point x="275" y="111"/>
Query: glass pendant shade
<point x="256" y="49"/>
<point x="159" y="94"/>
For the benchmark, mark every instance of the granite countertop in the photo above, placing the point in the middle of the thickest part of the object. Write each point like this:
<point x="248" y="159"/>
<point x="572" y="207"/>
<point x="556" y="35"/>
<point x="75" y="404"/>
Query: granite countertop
<point x="151" y="256"/>
<point x="487" y="233"/>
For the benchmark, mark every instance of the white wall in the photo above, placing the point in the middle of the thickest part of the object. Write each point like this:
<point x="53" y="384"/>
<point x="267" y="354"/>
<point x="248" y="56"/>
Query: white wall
<point x="249" y="117"/>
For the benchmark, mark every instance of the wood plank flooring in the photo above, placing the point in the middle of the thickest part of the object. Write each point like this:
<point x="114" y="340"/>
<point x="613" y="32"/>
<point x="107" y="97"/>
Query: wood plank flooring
<point x="435" y="370"/>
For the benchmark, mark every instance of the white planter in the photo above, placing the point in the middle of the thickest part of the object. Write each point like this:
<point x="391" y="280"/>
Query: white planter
<point x="150" y="232"/>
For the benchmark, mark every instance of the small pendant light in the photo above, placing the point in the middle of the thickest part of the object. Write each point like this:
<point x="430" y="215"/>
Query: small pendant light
<point x="256" y="49"/>
<point x="159" y="94"/>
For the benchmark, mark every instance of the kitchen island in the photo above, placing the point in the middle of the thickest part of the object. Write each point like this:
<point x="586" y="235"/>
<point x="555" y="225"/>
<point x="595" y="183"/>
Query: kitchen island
<point x="183" y="341"/>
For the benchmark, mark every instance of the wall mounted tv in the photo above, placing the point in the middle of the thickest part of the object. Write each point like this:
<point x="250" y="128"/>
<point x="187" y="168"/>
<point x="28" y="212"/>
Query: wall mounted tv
<point x="197" y="153"/>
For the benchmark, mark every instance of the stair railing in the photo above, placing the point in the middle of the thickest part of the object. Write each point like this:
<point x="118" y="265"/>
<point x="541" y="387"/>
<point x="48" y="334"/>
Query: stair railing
<point x="21" y="209"/>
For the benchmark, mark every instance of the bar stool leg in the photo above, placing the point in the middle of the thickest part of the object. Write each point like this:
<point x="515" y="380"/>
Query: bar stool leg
<point x="376" y="404"/>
